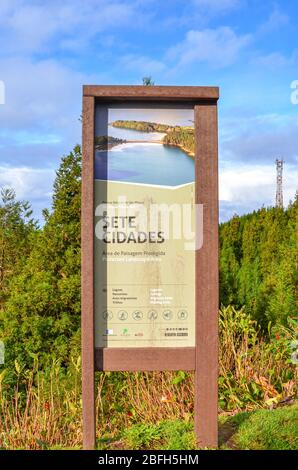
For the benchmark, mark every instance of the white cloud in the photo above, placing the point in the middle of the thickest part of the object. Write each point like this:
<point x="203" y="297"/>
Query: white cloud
<point x="40" y="119"/>
<point x="249" y="146"/>
<point x="30" y="26"/>
<point x="42" y="97"/>
<point x="247" y="187"/>
<point x="275" y="21"/>
<point x="248" y="183"/>
<point x="276" y="59"/>
<point x="260" y="139"/>
<point x="219" y="47"/>
<point x="29" y="183"/>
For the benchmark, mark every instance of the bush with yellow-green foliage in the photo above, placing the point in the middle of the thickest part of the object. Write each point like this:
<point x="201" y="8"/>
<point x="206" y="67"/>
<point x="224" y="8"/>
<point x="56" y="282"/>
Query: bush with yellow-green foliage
<point x="43" y="409"/>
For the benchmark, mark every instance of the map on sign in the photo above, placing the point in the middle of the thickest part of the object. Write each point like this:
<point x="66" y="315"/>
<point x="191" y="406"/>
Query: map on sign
<point x="144" y="259"/>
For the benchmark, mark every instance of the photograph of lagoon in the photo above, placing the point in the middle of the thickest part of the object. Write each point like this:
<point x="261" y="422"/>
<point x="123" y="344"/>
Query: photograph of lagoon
<point x="145" y="146"/>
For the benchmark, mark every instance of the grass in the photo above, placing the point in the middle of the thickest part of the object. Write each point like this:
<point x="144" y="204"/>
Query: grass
<point x="264" y="430"/>
<point x="165" y="435"/>
<point x="275" y="429"/>
<point x="42" y="408"/>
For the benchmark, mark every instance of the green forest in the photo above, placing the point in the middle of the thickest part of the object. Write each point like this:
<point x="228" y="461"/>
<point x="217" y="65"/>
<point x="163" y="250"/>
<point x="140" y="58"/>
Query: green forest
<point x="182" y="137"/>
<point x="179" y="136"/>
<point x="40" y="324"/>
<point x="142" y="126"/>
<point x="258" y="263"/>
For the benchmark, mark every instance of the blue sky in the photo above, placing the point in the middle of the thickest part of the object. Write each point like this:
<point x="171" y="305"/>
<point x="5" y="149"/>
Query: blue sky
<point x="249" y="48"/>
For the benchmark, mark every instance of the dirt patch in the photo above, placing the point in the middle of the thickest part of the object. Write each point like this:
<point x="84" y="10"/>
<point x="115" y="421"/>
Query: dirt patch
<point x="225" y="435"/>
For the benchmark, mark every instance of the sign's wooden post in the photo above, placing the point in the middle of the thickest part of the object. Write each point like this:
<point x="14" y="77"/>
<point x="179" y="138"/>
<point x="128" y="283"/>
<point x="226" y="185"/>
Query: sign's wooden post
<point x="206" y="373"/>
<point x="87" y="222"/>
<point x="201" y="356"/>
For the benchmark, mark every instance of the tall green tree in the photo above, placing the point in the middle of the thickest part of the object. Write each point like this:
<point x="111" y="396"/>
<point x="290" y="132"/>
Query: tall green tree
<point x="258" y="263"/>
<point x="17" y="229"/>
<point x="42" y="313"/>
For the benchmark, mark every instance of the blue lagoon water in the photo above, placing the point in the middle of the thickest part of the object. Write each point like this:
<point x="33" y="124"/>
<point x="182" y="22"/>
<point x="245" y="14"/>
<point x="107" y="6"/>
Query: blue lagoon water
<point x="147" y="163"/>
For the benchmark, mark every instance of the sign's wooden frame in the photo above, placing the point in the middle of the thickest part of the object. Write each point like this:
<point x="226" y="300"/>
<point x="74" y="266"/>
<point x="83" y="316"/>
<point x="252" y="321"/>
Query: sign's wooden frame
<point x="203" y="358"/>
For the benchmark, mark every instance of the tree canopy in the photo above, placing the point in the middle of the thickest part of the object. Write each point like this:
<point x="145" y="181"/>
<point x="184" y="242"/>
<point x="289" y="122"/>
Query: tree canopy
<point x="40" y="269"/>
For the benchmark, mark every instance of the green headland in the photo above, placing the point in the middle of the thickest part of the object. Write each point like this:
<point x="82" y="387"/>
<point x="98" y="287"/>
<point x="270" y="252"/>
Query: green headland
<point x="177" y="136"/>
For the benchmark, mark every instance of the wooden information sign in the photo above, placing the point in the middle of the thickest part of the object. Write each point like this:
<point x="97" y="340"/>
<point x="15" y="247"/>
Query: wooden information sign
<point x="150" y="240"/>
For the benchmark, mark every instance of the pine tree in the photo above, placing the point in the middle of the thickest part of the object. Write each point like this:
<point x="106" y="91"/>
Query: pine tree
<point x="17" y="228"/>
<point x="258" y="265"/>
<point x="42" y="314"/>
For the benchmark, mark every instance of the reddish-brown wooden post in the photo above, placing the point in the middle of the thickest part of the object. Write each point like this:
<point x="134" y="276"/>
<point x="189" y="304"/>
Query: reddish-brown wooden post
<point x="207" y="301"/>
<point x="87" y="221"/>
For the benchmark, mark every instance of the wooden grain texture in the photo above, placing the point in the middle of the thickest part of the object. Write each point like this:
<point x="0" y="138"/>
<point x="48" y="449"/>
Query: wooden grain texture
<point x="144" y="359"/>
<point x="207" y="300"/>
<point x="143" y="93"/>
<point x="87" y="222"/>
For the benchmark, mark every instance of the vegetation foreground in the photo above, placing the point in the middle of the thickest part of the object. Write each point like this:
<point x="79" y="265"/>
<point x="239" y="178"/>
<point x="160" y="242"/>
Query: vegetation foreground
<point x="256" y="430"/>
<point x="40" y="381"/>
<point x="155" y="410"/>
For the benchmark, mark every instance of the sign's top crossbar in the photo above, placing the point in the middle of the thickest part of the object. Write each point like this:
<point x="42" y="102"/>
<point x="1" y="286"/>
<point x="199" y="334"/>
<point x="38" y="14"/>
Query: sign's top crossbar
<point x="140" y="92"/>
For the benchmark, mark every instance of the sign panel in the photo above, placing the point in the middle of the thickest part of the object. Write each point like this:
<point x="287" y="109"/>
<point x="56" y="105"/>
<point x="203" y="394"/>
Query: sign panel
<point x="149" y="275"/>
<point x="144" y="198"/>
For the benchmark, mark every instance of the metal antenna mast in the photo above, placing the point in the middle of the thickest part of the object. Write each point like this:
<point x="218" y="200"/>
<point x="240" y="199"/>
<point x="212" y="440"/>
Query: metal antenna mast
<point x="279" y="193"/>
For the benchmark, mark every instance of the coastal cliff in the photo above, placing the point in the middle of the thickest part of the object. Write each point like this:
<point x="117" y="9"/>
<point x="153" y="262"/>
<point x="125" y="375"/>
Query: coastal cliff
<point x="182" y="137"/>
